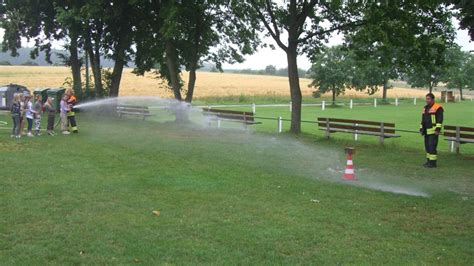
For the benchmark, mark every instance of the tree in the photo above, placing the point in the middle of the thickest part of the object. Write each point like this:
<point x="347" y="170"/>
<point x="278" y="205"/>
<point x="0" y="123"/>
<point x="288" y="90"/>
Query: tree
<point x="330" y="72"/>
<point x="304" y="24"/>
<point x="378" y="48"/>
<point x="38" y="20"/>
<point x="184" y="34"/>
<point x="426" y="59"/>
<point x="465" y="14"/>
<point x="427" y="63"/>
<point x="458" y="73"/>
<point x="270" y="70"/>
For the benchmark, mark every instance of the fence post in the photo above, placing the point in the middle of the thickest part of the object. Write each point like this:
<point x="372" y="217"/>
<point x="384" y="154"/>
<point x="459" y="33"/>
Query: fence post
<point x="382" y="133"/>
<point x="323" y="106"/>
<point x="279" y="124"/>
<point x="350" y="104"/>
<point x="328" y="132"/>
<point x="291" y="106"/>
<point x="253" y="108"/>
<point x="414" y="100"/>
<point x="375" y="102"/>
<point x="446" y="98"/>
<point x="355" y="131"/>
<point x="396" y="101"/>
<point x="218" y="122"/>
<point x="458" y="141"/>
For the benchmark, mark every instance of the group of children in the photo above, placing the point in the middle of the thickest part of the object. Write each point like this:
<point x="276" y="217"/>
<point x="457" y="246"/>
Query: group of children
<point x="22" y="108"/>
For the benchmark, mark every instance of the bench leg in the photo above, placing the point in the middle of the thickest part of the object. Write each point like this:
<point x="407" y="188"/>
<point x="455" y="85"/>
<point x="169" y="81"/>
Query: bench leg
<point x="382" y="140"/>
<point x="451" y="146"/>
<point x="218" y="123"/>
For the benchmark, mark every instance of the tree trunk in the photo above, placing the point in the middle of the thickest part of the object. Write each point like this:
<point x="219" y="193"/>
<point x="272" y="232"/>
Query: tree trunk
<point x="333" y="95"/>
<point x="295" y="90"/>
<point x="181" y="112"/>
<point x="191" y="83"/>
<point x="94" y="57"/>
<point x="119" y="57"/>
<point x="460" y="93"/>
<point x="116" y="77"/>
<point x="384" y="92"/>
<point x="96" y="72"/>
<point x="171" y="59"/>
<point x="75" y="68"/>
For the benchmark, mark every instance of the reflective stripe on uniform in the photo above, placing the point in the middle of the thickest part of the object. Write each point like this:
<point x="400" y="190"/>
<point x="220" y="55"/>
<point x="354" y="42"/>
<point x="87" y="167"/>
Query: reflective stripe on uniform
<point x="71" y="114"/>
<point x="430" y="131"/>
<point x="433" y="157"/>
<point x="427" y="156"/>
<point x="433" y="119"/>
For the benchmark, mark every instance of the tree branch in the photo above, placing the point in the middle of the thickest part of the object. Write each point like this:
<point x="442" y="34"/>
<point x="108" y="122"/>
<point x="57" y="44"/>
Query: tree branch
<point x="340" y="27"/>
<point x="304" y="14"/>
<point x="268" y="27"/>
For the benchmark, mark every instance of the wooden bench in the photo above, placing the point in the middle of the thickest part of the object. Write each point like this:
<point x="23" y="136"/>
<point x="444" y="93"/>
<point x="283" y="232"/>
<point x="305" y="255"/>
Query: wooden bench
<point x="457" y="135"/>
<point x="381" y="129"/>
<point x="246" y="118"/>
<point x="133" y="110"/>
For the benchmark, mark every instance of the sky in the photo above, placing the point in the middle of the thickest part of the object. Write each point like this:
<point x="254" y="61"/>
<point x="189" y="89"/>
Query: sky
<point x="277" y="57"/>
<point x="267" y="56"/>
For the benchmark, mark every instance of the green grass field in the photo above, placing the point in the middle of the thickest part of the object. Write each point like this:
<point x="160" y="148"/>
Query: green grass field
<point x="235" y="197"/>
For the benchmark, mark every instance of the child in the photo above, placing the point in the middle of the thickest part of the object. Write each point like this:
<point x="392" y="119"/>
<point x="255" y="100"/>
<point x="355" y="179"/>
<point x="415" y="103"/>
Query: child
<point x="51" y="111"/>
<point x="63" y="114"/>
<point x="16" y="113"/>
<point x="71" y="115"/>
<point x="22" y="113"/>
<point x="38" y="109"/>
<point x="29" y="114"/>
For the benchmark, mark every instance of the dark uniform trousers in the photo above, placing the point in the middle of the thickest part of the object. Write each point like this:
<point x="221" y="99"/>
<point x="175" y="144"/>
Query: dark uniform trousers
<point x="431" y="142"/>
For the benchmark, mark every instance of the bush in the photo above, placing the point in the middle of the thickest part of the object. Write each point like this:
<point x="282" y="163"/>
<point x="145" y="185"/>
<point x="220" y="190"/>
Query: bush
<point x="29" y="63"/>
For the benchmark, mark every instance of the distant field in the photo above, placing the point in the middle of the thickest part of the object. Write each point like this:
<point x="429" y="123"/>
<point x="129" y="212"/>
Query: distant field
<point x="208" y="84"/>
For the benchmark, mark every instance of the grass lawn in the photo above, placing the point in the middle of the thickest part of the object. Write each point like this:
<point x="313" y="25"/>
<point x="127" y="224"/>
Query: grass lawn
<point x="229" y="196"/>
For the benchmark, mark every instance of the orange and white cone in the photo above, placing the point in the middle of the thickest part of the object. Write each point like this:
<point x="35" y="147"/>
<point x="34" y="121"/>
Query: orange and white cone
<point x="349" y="172"/>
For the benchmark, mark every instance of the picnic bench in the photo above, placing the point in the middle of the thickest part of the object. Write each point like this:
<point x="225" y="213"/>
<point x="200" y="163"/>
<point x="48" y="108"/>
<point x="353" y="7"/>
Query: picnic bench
<point x="357" y="127"/>
<point x="246" y="118"/>
<point x="457" y="135"/>
<point x="133" y="110"/>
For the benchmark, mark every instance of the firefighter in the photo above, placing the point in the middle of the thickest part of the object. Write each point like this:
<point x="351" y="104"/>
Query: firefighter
<point x="71" y="115"/>
<point x="430" y="128"/>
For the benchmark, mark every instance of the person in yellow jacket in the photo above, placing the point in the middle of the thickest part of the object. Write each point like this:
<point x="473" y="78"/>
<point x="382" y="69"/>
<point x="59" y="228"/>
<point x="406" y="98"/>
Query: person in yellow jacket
<point x="71" y="115"/>
<point x="430" y="128"/>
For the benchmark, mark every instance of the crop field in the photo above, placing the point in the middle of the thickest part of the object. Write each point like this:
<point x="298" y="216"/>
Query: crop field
<point x="207" y="84"/>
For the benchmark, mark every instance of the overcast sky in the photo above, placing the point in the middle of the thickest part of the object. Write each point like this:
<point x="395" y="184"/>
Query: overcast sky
<point x="277" y="57"/>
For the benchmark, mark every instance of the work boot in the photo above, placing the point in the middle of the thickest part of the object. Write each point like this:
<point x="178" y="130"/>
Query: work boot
<point x="431" y="164"/>
<point x="426" y="163"/>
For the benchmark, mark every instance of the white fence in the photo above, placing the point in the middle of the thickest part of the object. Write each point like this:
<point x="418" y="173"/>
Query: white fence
<point x="351" y="103"/>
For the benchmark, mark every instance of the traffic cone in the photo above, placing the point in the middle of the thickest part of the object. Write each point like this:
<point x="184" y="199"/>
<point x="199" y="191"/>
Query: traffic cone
<point x="349" y="172"/>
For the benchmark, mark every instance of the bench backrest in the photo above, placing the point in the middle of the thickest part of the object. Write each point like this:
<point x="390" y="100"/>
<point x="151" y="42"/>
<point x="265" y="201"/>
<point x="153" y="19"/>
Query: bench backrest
<point x="133" y="109"/>
<point x="361" y="125"/>
<point x="229" y="114"/>
<point x="459" y="132"/>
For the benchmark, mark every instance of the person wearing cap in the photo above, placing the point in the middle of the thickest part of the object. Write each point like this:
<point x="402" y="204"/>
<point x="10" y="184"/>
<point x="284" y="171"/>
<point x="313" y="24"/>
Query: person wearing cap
<point x="430" y="128"/>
